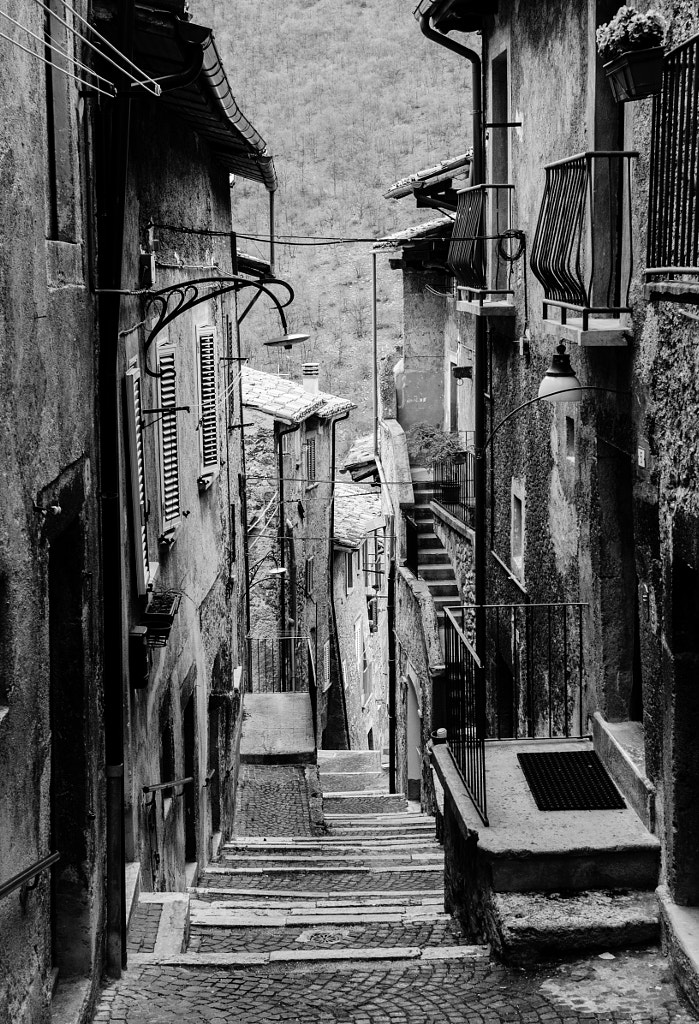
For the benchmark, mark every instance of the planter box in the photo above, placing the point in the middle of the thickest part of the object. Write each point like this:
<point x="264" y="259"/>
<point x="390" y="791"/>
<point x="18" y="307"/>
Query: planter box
<point x="635" y="75"/>
<point x="159" y="616"/>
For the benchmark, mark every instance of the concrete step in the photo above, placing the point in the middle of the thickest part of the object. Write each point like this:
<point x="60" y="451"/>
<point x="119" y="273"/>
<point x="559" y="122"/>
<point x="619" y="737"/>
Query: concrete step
<point x="527" y="927"/>
<point x="436" y="573"/>
<point x="320" y="861"/>
<point x="431" y="892"/>
<point x="324" y="960"/>
<point x="363" y="803"/>
<point x="436" y="556"/>
<point x="283" y="905"/>
<point x="444" y="589"/>
<point x="223" y="915"/>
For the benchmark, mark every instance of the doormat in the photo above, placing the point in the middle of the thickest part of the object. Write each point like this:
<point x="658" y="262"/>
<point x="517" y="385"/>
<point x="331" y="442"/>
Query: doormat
<point x="573" y="780"/>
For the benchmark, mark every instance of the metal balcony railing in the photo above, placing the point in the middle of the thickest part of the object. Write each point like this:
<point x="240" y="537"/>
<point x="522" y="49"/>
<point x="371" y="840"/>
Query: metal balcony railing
<point x="582" y="250"/>
<point x="673" y="204"/>
<point x="464" y="708"/>
<point x="453" y="482"/>
<point x="483" y="215"/>
<point x="276" y="664"/>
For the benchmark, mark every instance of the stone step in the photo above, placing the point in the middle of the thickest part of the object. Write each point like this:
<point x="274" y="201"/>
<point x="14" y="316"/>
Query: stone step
<point x="436" y="556"/>
<point x="320" y="861"/>
<point x="410" y="897"/>
<point x="363" y="803"/>
<point x="444" y="589"/>
<point x="332" y="782"/>
<point x="349" y="760"/>
<point x="529" y="927"/>
<point x="324" y="959"/>
<point x="438" y="573"/>
<point x="215" y="915"/>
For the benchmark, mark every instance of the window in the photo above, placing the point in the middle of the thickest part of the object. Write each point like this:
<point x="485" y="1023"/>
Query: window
<point x="61" y="93"/>
<point x="517" y="531"/>
<point x="368" y="580"/>
<point x="349" y="571"/>
<point x="570" y="438"/>
<point x="207" y="357"/>
<point x="169" y="443"/>
<point x="310" y="460"/>
<point x="358" y="646"/>
<point x="326" y="666"/>
<point x="139" y="494"/>
<point x="310" y="575"/>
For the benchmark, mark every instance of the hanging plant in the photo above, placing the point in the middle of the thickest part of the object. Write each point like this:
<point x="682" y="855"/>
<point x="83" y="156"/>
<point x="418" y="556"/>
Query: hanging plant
<point x="631" y="47"/>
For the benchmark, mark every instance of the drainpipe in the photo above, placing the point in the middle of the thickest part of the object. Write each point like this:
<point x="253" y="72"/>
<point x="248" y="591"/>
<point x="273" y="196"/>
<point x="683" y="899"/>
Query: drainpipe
<point x="480" y="361"/>
<point x="281" y="533"/>
<point x="114" y="123"/>
<point x="331" y="566"/>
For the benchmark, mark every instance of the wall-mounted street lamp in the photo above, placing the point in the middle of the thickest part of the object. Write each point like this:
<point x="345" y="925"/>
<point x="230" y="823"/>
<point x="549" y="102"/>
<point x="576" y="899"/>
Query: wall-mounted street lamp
<point x="560" y="383"/>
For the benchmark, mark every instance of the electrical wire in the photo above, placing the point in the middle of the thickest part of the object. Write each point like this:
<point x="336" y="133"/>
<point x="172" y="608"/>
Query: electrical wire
<point x="155" y="91"/>
<point x="50" y="63"/>
<point x="56" y="49"/>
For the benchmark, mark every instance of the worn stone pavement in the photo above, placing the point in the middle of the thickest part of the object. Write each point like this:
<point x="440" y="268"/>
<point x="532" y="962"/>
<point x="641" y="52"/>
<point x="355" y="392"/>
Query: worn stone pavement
<point x="409" y="962"/>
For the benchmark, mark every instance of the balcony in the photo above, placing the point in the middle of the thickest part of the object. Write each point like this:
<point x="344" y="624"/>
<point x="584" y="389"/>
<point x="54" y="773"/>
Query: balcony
<point x="453" y="483"/>
<point x="672" y="263"/>
<point x="483" y="276"/>
<point x="583" y="249"/>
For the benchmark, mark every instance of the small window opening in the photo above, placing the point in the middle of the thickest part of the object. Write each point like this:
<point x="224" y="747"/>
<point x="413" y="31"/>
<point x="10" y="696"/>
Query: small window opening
<point x="167" y="760"/>
<point x="570" y="438"/>
<point x="517" y="534"/>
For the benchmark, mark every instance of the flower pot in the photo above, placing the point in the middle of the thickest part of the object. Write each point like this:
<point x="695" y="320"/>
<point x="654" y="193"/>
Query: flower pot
<point x="636" y="74"/>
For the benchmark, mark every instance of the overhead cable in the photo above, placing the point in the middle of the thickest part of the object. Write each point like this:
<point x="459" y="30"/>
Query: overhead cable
<point x="50" y="63"/>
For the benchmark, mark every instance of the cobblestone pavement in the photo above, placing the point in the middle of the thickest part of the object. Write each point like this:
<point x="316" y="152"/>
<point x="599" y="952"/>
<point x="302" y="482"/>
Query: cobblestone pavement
<point x="143" y="928"/>
<point x="272" y="800"/>
<point x="370" y="936"/>
<point x="354" y="946"/>
<point x="634" y="987"/>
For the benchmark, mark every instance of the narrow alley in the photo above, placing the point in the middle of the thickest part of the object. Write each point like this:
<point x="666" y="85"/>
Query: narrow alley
<point x="341" y="918"/>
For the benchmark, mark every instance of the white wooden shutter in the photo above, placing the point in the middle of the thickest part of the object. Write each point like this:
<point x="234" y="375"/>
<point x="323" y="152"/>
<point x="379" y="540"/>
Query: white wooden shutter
<point x="358" y="645"/>
<point x="139" y="496"/>
<point x="208" y="398"/>
<point x="310" y="459"/>
<point x="326" y="664"/>
<point x="169" y="446"/>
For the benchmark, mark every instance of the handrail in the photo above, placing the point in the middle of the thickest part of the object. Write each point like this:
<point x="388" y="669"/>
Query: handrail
<point x="462" y="636"/>
<point x="168" y="785"/>
<point x="20" y="880"/>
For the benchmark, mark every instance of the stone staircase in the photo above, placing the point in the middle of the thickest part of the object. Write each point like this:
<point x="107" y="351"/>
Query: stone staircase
<point x="434" y="565"/>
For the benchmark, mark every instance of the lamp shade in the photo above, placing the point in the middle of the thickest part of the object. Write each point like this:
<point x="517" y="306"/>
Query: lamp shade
<point x="560" y="383"/>
<point x="287" y="340"/>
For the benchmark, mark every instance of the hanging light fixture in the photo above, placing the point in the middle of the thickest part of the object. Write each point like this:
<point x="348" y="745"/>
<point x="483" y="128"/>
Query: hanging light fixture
<point x="560" y="383"/>
<point x="287" y="341"/>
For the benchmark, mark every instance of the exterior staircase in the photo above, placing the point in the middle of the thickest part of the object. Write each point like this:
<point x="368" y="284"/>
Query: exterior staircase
<point x="434" y="565"/>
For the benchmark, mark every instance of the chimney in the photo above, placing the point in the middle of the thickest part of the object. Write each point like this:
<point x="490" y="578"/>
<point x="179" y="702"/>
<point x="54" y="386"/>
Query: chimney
<point x="310" y="377"/>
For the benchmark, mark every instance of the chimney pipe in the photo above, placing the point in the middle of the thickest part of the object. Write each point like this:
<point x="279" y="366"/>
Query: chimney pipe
<point x="310" y="377"/>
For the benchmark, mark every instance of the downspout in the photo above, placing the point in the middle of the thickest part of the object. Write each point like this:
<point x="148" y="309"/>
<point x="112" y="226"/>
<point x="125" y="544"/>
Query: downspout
<point x="111" y="201"/>
<point x="480" y="369"/>
<point x="392" y="673"/>
<point x="331" y="566"/>
<point x="281" y="531"/>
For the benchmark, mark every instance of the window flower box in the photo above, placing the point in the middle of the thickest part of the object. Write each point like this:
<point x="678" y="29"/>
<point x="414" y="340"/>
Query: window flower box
<point x="159" y="616"/>
<point x="630" y="46"/>
<point x="635" y="75"/>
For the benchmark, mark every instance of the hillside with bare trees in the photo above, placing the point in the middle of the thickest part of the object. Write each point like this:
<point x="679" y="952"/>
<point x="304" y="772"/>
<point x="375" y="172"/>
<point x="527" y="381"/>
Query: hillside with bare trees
<point x="350" y="97"/>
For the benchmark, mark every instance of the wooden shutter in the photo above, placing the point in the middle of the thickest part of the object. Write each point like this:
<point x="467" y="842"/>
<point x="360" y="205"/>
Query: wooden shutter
<point x="169" y="446"/>
<point x="310" y="459"/>
<point x="208" y="398"/>
<point x="358" y="645"/>
<point x="139" y="497"/>
<point x="309" y="575"/>
<point x="326" y="664"/>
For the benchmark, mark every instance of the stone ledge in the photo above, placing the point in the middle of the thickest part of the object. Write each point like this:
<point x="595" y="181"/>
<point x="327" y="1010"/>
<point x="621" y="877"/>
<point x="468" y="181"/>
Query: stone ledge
<point x="634" y="785"/>
<point x="680" y="931"/>
<point x="452" y="522"/>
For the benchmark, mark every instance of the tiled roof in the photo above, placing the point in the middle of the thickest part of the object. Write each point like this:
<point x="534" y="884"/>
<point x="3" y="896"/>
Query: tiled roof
<point x="361" y="452"/>
<point x="285" y="399"/>
<point x="456" y="167"/>
<point x="357" y="513"/>
<point x="441" y="227"/>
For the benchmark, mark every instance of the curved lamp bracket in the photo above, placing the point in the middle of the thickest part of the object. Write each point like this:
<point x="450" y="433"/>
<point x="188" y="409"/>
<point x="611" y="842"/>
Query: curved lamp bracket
<point x="171" y="302"/>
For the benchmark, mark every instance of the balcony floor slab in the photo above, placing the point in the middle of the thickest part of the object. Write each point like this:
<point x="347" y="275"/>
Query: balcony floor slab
<point x="601" y="333"/>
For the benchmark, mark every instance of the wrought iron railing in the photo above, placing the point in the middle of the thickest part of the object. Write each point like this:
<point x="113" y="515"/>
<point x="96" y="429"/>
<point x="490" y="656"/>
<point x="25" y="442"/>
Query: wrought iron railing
<point x="582" y="250"/>
<point x="482" y="218"/>
<point x="464" y="708"/>
<point x="453" y="482"/>
<point x="275" y="664"/>
<point x="673" y="200"/>
<point x="534" y="669"/>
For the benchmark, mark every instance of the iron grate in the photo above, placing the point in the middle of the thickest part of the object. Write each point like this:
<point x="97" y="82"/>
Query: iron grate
<point x="570" y="781"/>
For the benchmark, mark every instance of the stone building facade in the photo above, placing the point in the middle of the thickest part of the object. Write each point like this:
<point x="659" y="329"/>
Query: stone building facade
<point x="290" y="477"/>
<point x="122" y="595"/>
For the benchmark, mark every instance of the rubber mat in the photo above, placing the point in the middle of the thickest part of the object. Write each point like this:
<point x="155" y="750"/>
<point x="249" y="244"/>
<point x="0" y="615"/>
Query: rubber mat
<point x="573" y="780"/>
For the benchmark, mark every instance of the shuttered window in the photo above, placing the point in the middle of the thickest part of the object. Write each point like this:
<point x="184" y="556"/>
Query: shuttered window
<point x="358" y="645"/>
<point x="169" y="445"/>
<point x="139" y="497"/>
<point x="310" y="582"/>
<point x="310" y="459"/>
<point x="208" y="398"/>
<point x="326" y="665"/>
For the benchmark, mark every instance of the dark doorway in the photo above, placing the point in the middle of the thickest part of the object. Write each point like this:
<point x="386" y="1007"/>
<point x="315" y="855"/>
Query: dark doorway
<point x="214" y="765"/>
<point x="190" y="790"/>
<point x="70" y="909"/>
<point x="504" y="697"/>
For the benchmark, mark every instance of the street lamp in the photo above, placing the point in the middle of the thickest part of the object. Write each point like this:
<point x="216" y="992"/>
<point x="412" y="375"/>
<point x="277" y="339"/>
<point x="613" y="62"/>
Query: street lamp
<point x="560" y="383"/>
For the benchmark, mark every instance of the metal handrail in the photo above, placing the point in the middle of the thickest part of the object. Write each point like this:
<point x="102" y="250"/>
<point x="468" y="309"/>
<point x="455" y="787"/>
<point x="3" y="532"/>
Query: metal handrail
<point x="23" y="878"/>
<point x="168" y="785"/>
